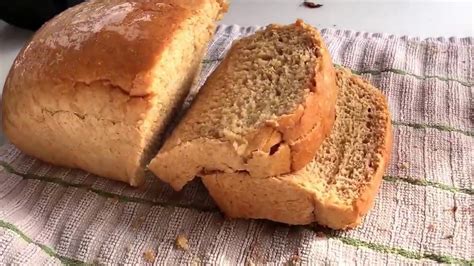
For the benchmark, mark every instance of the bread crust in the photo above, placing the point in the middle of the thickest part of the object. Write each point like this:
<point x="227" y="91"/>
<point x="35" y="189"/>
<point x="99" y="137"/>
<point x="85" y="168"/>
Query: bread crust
<point x="295" y="198"/>
<point x="278" y="199"/>
<point x="277" y="146"/>
<point x="305" y="131"/>
<point x="88" y="90"/>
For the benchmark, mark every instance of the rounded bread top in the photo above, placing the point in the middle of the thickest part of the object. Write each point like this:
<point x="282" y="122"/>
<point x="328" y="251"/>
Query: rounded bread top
<point x="112" y="41"/>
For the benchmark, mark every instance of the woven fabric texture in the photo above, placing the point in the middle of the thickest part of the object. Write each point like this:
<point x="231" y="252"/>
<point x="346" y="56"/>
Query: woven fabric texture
<point x="423" y="213"/>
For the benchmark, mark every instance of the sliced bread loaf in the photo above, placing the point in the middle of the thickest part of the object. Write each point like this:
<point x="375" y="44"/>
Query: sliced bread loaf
<point x="97" y="85"/>
<point x="265" y="110"/>
<point x="339" y="185"/>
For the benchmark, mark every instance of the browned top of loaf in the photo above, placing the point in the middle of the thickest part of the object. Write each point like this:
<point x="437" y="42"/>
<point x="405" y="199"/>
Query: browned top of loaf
<point x="132" y="35"/>
<point x="264" y="76"/>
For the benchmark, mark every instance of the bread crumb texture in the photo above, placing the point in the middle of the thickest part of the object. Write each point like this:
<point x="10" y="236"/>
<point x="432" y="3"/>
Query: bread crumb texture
<point x="96" y="85"/>
<point x="265" y="110"/>
<point x="339" y="185"/>
<point x="271" y="75"/>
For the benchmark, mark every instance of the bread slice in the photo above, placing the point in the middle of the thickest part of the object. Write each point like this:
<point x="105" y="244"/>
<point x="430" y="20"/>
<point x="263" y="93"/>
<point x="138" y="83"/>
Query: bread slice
<point x="96" y="85"/>
<point x="339" y="185"/>
<point x="265" y="110"/>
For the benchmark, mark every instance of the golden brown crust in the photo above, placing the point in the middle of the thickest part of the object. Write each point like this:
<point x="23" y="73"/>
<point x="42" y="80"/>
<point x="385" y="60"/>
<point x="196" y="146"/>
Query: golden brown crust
<point x="305" y="129"/>
<point x="241" y="196"/>
<point x="132" y="35"/>
<point x="320" y="101"/>
<point x="91" y="90"/>
<point x="297" y="198"/>
<point x="279" y="145"/>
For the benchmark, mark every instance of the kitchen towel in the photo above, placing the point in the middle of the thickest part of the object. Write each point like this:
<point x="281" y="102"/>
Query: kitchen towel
<point x="423" y="212"/>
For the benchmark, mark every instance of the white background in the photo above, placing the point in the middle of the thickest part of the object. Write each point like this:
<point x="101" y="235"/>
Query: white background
<point x="403" y="17"/>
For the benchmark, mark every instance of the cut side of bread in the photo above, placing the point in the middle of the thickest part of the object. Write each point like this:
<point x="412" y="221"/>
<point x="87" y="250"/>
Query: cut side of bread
<point x="264" y="111"/>
<point x="96" y="86"/>
<point x="338" y="186"/>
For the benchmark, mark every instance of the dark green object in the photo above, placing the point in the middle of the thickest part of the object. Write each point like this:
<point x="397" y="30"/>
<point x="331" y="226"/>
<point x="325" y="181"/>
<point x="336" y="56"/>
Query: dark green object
<point x="31" y="14"/>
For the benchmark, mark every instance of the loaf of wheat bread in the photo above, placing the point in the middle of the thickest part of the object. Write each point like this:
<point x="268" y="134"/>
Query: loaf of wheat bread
<point x="338" y="186"/>
<point x="96" y="85"/>
<point x="265" y="110"/>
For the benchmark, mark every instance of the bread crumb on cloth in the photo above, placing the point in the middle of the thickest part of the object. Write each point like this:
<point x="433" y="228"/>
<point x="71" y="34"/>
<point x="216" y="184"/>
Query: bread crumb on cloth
<point x="149" y="255"/>
<point x="182" y="242"/>
<point x="404" y="165"/>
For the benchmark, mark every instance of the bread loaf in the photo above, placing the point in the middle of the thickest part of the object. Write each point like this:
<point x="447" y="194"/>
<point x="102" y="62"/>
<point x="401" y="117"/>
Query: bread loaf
<point x="338" y="186"/>
<point x="265" y="110"/>
<point x="96" y="85"/>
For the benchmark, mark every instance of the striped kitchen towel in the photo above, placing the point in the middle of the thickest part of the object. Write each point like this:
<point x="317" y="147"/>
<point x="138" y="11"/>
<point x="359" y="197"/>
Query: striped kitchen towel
<point x="423" y="213"/>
